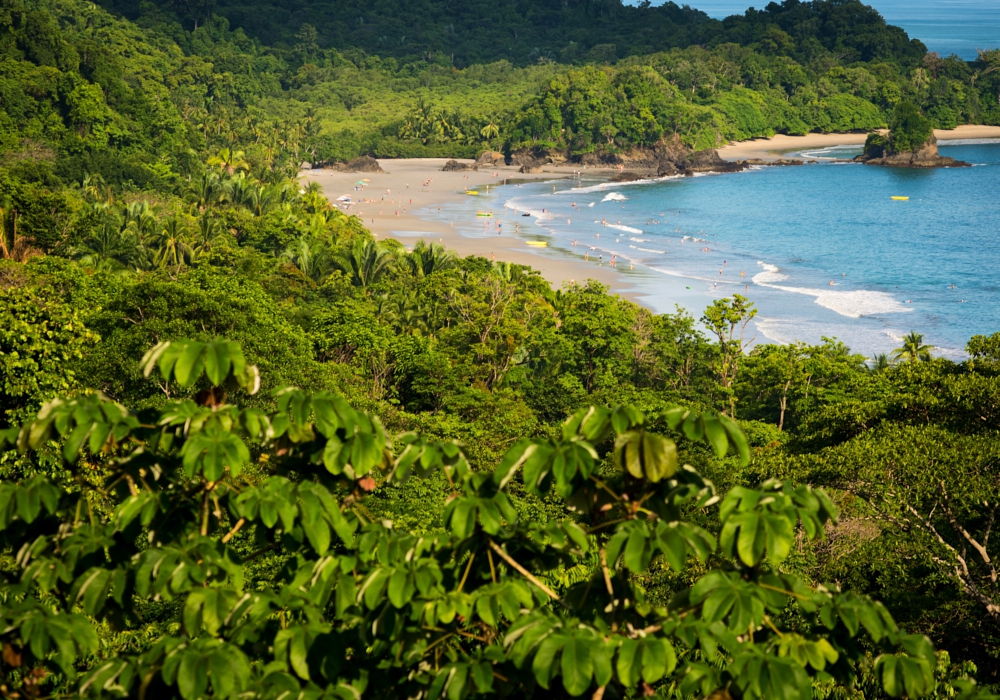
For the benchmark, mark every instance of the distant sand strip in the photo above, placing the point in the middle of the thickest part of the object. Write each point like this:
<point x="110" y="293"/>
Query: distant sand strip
<point x="779" y="146"/>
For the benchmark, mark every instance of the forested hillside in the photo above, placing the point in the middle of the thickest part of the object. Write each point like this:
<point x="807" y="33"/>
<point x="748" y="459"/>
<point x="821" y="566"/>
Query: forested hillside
<point x="434" y="511"/>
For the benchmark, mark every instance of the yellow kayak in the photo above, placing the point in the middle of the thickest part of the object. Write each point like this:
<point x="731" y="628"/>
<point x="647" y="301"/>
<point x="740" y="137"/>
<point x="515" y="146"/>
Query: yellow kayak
<point x="901" y="199"/>
<point x="472" y="192"/>
<point x="537" y="244"/>
<point x="484" y="213"/>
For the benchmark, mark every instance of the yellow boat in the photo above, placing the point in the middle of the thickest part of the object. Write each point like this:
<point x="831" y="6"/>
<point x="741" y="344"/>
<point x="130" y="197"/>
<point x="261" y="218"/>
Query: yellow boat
<point x="901" y="199"/>
<point x="484" y="213"/>
<point x="472" y="192"/>
<point x="537" y="244"/>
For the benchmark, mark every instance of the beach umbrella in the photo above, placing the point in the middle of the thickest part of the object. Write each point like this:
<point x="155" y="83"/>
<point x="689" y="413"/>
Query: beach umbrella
<point x="366" y="180"/>
<point x="360" y="182"/>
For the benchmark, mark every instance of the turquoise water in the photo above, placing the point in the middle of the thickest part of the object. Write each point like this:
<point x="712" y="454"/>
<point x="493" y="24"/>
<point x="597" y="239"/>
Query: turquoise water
<point x="792" y="231"/>
<point x="945" y="26"/>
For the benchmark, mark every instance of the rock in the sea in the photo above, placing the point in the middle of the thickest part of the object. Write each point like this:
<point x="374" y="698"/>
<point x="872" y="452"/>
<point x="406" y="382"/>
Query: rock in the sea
<point x="453" y="166"/>
<point x="626" y="177"/>
<point x="709" y="161"/>
<point x="879" y="151"/>
<point x="666" y="168"/>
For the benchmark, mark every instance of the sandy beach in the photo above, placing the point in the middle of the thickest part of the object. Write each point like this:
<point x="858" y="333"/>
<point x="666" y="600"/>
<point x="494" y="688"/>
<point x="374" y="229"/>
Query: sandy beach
<point x="389" y="203"/>
<point x="780" y="145"/>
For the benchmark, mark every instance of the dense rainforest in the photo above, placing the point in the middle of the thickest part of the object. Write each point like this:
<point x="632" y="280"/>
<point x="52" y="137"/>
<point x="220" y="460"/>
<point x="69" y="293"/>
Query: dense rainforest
<point x="248" y="450"/>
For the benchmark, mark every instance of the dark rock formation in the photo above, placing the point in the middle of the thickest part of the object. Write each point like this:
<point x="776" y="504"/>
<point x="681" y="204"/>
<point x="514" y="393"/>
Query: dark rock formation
<point x="709" y="161"/>
<point x="779" y="161"/>
<point x="666" y="168"/>
<point x="453" y="166"/>
<point x="363" y="164"/>
<point x="627" y="177"/>
<point x="491" y="158"/>
<point x="532" y="167"/>
<point x="879" y="151"/>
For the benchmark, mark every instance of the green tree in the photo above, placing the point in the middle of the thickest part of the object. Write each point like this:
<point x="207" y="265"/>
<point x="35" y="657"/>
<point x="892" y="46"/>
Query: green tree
<point x="365" y="262"/>
<point x="913" y="349"/>
<point x="727" y="319"/>
<point x="909" y="130"/>
<point x="359" y="608"/>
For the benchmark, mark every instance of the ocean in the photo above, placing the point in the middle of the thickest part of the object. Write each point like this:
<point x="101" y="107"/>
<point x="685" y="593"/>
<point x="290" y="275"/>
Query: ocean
<point x="946" y="26"/>
<point x="781" y="235"/>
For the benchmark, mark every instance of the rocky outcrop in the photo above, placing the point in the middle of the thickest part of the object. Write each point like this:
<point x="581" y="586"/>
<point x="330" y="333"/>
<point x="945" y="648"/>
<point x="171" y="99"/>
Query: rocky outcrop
<point x="537" y="157"/>
<point x="363" y="164"/>
<point x="879" y="151"/>
<point x="627" y="176"/>
<point x="454" y="166"/>
<point x="491" y="159"/>
<point x="532" y="167"/>
<point x="709" y="161"/>
<point x="779" y="161"/>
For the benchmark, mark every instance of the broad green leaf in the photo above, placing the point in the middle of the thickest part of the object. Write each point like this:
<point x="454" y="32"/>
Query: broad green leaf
<point x="577" y="665"/>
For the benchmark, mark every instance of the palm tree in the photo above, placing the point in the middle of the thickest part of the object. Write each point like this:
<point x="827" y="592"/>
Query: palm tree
<point x="880" y="363"/>
<point x="229" y="161"/>
<point x="311" y="257"/>
<point x="263" y="199"/>
<point x="109" y="247"/>
<point x="491" y="130"/>
<point x="365" y="262"/>
<point x="97" y="190"/>
<point x="208" y="230"/>
<point x="504" y="270"/>
<point x="428" y="259"/>
<point x="404" y="315"/>
<point x="913" y="349"/>
<point x="172" y="248"/>
<point x="205" y="191"/>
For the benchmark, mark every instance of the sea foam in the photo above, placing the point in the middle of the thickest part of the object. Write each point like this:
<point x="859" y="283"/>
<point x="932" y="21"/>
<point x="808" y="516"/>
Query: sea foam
<point x="853" y="304"/>
<point x="626" y="229"/>
<point x="614" y="197"/>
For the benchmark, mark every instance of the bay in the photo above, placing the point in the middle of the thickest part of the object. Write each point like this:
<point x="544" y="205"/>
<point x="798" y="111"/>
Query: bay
<point x="791" y="231"/>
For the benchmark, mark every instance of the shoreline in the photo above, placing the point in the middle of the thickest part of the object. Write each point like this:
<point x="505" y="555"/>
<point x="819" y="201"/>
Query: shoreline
<point x="396" y="217"/>
<point x="780" y="145"/>
<point x="401" y="201"/>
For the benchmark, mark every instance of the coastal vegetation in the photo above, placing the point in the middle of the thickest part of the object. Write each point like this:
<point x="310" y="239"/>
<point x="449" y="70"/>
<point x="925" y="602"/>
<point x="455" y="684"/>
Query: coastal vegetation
<point x="248" y="450"/>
